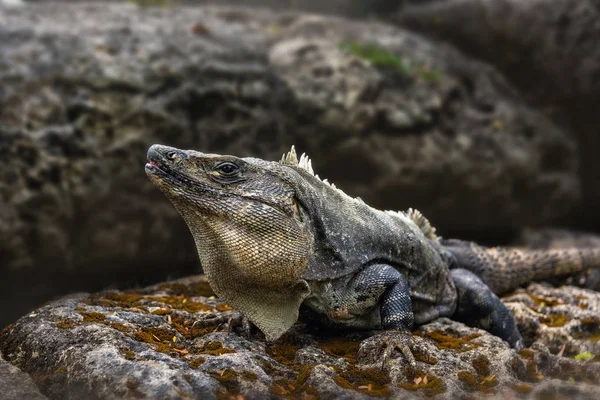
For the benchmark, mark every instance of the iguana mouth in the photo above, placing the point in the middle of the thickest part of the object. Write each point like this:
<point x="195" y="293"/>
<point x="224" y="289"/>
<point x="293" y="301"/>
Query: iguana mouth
<point x="154" y="166"/>
<point x="156" y="170"/>
<point x="151" y="166"/>
<point x="160" y="172"/>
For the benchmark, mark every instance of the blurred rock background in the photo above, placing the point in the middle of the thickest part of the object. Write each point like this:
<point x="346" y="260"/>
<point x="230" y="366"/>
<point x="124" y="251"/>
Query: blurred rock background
<point x="482" y="114"/>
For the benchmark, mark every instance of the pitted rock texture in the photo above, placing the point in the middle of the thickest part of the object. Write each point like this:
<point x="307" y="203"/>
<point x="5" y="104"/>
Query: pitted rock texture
<point x="398" y="143"/>
<point x="549" y="50"/>
<point x="170" y="341"/>
<point x="408" y="123"/>
<point x="558" y="316"/>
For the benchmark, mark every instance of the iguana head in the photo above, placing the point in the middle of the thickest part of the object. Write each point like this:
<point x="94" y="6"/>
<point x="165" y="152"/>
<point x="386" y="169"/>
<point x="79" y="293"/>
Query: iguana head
<point x="250" y="235"/>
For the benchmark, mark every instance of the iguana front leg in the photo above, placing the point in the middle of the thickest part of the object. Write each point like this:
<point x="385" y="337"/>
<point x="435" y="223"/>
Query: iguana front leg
<point x="397" y="320"/>
<point x="396" y="312"/>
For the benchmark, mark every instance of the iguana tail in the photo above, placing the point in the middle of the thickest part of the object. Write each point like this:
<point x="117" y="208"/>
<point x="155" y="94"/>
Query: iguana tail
<point x="505" y="269"/>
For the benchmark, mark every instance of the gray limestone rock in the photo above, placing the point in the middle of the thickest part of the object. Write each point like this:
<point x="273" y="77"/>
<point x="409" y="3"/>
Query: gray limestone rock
<point x="16" y="384"/>
<point x="171" y="341"/>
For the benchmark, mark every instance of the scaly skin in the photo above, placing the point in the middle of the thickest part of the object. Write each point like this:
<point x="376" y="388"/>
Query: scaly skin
<point x="272" y="236"/>
<point x="505" y="269"/>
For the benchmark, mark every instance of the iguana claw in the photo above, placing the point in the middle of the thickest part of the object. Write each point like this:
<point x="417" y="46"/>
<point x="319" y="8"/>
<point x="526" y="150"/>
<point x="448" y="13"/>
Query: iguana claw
<point x="242" y="322"/>
<point x="230" y="320"/>
<point x="388" y="341"/>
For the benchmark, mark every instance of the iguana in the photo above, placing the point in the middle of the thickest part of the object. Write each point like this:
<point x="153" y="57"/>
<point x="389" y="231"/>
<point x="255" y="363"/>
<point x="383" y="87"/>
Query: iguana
<point x="272" y="236"/>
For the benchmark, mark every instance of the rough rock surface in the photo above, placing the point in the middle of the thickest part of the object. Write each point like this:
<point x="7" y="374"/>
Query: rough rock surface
<point x="405" y="123"/>
<point x="549" y="50"/>
<point x="145" y="343"/>
<point x="16" y="384"/>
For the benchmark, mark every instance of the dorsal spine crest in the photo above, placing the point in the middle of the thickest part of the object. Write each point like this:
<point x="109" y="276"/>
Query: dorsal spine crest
<point x="291" y="158"/>
<point x="422" y="222"/>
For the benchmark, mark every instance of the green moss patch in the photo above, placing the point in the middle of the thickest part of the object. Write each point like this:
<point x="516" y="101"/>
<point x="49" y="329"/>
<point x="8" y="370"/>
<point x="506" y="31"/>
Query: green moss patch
<point x="294" y="388"/>
<point x="228" y="378"/>
<point x="283" y="352"/>
<point x="141" y="302"/>
<point x="223" y="307"/>
<point x="196" y="362"/>
<point x="531" y="371"/>
<point x="527" y="354"/>
<point x="371" y="381"/>
<point x="448" y="342"/>
<point x="474" y="383"/>
<point x="213" y="349"/>
<point x="469" y="380"/>
<point x="163" y="311"/>
<point x="589" y="330"/>
<point x="127" y="353"/>
<point x="93" y="317"/>
<point x="340" y="347"/>
<point x="118" y="326"/>
<point x="303" y="374"/>
<point x="383" y="58"/>
<point x="182" y="303"/>
<point x="544" y="302"/>
<point x="196" y="289"/>
<point x="427" y="384"/>
<point x="424" y="357"/>
<point x="66" y="324"/>
<point x="161" y="339"/>
<point x="483" y="380"/>
<point x="554" y="320"/>
<point x="481" y="364"/>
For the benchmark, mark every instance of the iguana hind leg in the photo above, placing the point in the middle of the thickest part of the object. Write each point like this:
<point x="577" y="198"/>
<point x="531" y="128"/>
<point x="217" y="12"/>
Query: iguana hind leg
<point x="480" y="308"/>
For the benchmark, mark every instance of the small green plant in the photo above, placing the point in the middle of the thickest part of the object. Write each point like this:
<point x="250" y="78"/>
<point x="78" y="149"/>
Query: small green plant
<point x="430" y="75"/>
<point x="585" y="356"/>
<point x="378" y="56"/>
<point x="383" y="58"/>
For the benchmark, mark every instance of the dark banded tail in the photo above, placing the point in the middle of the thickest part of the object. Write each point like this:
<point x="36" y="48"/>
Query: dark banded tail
<point x="505" y="269"/>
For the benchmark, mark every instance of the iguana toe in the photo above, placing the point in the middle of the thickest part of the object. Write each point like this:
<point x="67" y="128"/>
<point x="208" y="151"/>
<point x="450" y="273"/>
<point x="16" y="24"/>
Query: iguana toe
<point x="240" y="324"/>
<point x="233" y="322"/>
<point x="383" y="344"/>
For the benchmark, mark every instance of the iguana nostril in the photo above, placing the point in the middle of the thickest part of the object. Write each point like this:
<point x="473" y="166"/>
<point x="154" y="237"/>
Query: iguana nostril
<point x="153" y="152"/>
<point x="171" y="155"/>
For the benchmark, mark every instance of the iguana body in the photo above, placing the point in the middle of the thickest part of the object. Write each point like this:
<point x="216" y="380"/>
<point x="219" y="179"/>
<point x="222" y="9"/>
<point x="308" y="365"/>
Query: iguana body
<point x="272" y="235"/>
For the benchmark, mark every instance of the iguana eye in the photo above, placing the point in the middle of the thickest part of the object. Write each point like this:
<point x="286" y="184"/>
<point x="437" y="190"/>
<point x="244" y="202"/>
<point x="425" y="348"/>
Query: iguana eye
<point x="227" y="168"/>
